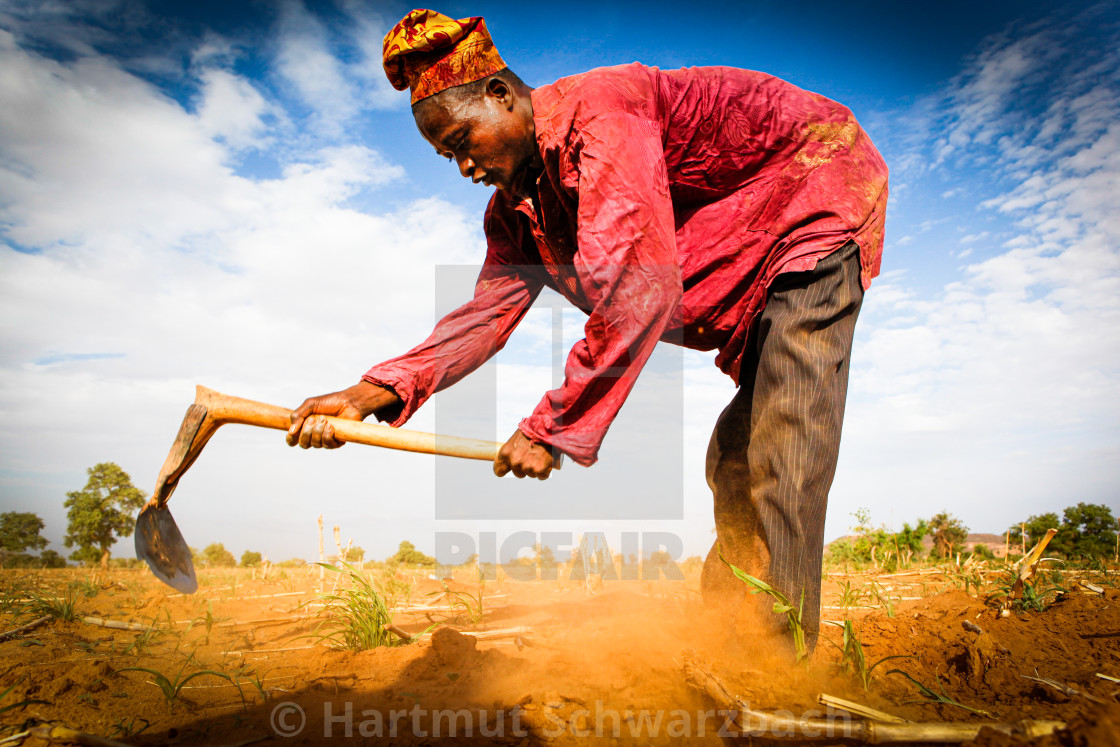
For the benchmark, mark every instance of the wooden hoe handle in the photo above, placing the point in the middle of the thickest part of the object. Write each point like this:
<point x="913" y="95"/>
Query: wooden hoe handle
<point x="223" y="409"/>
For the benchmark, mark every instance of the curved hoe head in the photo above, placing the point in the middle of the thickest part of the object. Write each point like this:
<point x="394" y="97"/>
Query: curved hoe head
<point x="160" y="544"/>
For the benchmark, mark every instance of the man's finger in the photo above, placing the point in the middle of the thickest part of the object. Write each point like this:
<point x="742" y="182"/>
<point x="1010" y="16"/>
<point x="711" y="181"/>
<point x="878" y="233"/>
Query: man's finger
<point x="294" y="429"/>
<point x="306" y="433"/>
<point x="501" y="465"/>
<point x="331" y="441"/>
<point x="318" y="426"/>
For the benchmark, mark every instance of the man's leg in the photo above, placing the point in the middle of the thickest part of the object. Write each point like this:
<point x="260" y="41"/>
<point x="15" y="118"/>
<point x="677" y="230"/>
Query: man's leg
<point x="773" y="453"/>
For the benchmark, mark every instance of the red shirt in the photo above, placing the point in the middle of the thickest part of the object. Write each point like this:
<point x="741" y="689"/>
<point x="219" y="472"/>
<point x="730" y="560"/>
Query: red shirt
<point x="668" y="203"/>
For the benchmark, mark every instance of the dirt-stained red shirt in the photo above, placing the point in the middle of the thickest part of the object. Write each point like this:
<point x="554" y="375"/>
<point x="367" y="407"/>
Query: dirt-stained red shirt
<point x="669" y="201"/>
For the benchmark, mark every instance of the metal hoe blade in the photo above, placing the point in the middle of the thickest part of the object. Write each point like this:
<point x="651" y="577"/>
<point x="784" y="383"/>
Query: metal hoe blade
<point x="160" y="544"/>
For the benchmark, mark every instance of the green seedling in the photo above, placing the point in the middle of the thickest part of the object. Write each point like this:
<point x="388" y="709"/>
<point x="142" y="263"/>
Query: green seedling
<point x="88" y="588"/>
<point x="128" y="728"/>
<point x="883" y="597"/>
<point x="469" y="604"/>
<point x="394" y="590"/>
<point x="848" y="597"/>
<point x="11" y="600"/>
<point x="854" y="661"/>
<point x="940" y="697"/>
<point x="60" y="608"/>
<point x="171" y="688"/>
<point x="357" y="616"/>
<point x="782" y="606"/>
<point x="1036" y="595"/>
<point x="264" y="692"/>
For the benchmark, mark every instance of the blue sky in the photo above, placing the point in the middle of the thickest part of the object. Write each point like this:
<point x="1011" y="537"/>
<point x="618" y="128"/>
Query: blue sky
<point x="232" y="195"/>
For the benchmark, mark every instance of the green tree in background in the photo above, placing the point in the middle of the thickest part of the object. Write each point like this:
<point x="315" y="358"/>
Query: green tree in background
<point x="949" y="534"/>
<point x="407" y="553"/>
<point x="250" y="559"/>
<point x="19" y="532"/>
<point x="354" y="555"/>
<point x="1088" y="531"/>
<point x="51" y="559"/>
<point x="101" y="512"/>
<point x="215" y="555"/>
<point x="910" y="538"/>
<point x="1035" y="527"/>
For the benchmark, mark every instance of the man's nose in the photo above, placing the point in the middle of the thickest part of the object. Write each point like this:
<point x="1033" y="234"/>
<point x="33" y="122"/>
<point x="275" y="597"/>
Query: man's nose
<point x="466" y="166"/>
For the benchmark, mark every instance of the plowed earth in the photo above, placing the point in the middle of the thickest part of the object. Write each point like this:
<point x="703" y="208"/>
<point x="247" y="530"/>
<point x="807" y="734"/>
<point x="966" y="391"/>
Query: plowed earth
<point x="549" y="662"/>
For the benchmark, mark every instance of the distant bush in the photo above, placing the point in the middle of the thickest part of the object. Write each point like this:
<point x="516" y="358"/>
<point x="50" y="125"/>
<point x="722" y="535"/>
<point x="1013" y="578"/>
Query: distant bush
<point x="217" y="556"/>
<point x="407" y="553"/>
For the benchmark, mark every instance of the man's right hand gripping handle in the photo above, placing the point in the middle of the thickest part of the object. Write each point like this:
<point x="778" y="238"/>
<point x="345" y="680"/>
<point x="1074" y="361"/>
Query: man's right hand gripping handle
<point x="309" y="429"/>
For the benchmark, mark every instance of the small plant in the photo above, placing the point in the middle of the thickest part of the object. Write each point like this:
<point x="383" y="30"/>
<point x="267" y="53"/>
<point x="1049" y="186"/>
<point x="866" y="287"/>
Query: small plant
<point x="11" y="600"/>
<point x="848" y="597"/>
<point x="88" y="588"/>
<point x="1098" y="572"/>
<point x="852" y="658"/>
<point x="883" y="597"/>
<point x="143" y="641"/>
<point x="60" y="608"/>
<point x="258" y="682"/>
<point x="357" y="616"/>
<point x="782" y="605"/>
<point x="939" y="697"/>
<point x="1036" y="596"/>
<point x="171" y="688"/>
<point x="394" y="590"/>
<point x="469" y="604"/>
<point x="128" y="728"/>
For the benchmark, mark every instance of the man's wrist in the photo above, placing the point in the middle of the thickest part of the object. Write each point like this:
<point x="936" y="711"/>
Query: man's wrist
<point x="368" y="397"/>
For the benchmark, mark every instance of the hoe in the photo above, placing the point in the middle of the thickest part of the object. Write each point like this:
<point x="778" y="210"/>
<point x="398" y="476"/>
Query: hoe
<point x="159" y="541"/>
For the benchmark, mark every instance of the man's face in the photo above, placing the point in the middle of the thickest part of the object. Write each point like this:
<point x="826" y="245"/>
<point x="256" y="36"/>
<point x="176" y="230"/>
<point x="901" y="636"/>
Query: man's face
<point x="490" y="137"/>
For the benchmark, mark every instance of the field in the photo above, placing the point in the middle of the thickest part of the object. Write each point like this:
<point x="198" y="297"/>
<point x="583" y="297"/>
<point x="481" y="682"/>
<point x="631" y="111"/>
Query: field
<point x="546" y="661"/>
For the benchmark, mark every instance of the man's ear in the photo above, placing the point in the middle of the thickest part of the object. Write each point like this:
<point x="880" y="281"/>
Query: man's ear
<point x="500" y="90"/>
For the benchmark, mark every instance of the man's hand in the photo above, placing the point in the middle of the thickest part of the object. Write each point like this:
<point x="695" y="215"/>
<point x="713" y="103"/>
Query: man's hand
<point x="524" y="458"/>
<point x="310" y="429"/>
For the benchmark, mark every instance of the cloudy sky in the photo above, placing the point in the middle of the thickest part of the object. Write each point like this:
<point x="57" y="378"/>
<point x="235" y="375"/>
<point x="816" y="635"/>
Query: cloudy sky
<point x="232" y="195"/>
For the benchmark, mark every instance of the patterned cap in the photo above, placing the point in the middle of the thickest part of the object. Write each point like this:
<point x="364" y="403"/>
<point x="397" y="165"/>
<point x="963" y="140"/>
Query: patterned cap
<point x="429" y="52"/>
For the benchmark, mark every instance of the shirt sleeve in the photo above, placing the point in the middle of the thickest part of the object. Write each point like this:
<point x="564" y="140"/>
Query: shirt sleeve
<point x="469" y="336"/>
<point x="628" y="268"/>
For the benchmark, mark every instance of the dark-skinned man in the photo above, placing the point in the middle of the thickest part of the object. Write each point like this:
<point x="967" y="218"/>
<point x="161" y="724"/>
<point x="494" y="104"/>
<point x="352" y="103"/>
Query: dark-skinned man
<point x="715" y="207"/>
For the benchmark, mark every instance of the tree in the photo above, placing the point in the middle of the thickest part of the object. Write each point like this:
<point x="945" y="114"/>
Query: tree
<point x="101" y="512"/>
<point x="51" y="559"/>
<point x="407" y="553"/>
<point x="1088" y="531"/>
<point x="948" y="533"/>
<point x="250" y="559"/>
<point x="354" y="555"/>
<point x="910" y="538"/>
<point x="215" y="555"/>
<point x="19" y="532"/>
<point x="1035" y="528"/>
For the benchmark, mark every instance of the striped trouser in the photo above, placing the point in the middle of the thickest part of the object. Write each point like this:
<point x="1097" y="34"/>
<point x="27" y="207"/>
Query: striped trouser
<point x="772" y="455"/>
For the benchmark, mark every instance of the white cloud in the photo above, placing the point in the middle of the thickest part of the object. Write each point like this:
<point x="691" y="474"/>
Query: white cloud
<point x="998" y="398"/>
<point x="143" y="264"/>
<point x="335" y="90"/>
<point x="232" y="110"/>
